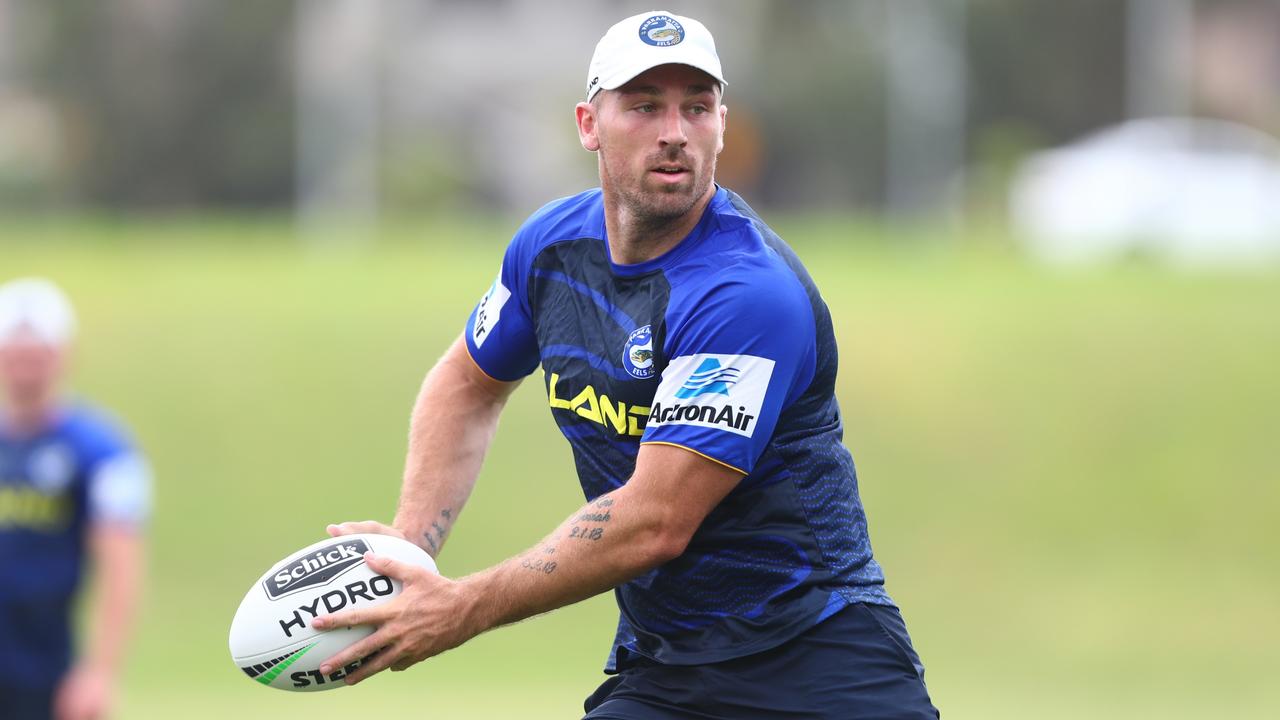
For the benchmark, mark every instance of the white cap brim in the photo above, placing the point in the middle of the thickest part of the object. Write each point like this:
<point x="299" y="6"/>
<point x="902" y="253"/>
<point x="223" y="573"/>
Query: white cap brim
<point x="35" y="308"/>
<point x="629" y="48"/>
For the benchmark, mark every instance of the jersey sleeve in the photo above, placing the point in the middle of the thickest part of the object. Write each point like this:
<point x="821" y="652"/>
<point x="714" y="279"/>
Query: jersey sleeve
<point x="500" y="333"/>
<point x="120" y="490"/>
<point x="118" y="476"/>
<point x="738" y="358"/>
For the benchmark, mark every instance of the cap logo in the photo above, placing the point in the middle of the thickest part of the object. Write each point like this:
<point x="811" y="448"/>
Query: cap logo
<point x="661" y="31"/>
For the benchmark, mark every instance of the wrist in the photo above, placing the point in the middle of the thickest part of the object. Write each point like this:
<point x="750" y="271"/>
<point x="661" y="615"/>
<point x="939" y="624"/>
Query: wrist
<point x="476" y="607"/>
<point x="408" y="531"/>
<point x="99" y="663"/>
<point x="427" y="530"/>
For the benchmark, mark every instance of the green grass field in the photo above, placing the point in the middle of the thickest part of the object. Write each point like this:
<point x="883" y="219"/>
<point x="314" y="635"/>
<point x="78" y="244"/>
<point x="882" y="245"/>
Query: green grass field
<point x="1071" y="478"/>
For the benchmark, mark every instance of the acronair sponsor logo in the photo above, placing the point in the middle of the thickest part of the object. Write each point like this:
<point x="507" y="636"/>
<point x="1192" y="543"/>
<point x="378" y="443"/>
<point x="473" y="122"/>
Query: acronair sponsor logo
<point x="710" y="377"/>
<point x="488" y="310"/>
<point x="726" y="416"/>
<point x="661" y="31"/>
<point x="637" y="354"/>
<point x="317" y="568"/>
<point x="587" y="403"/>
<point x="724" y="392"/>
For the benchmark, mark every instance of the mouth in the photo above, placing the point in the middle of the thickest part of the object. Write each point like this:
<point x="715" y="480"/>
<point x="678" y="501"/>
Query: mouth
<point x="670" y="171"/>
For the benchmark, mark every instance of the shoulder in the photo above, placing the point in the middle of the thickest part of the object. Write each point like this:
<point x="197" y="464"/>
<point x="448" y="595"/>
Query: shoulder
<point x="94" y="432"/>
<point x="736" y="219"/>
<point x="743" y="267"/>
<point x="747" y="303"/>
<point x="568" y="218"/>
<point x="754" y="297"/>
<point x="737" y="283"/>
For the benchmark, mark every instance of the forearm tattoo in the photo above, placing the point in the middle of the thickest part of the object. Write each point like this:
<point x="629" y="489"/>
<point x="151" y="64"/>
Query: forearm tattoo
<point x="589" y="526"/>
<point x="544" y="565"/>
<point x="591" y="523"/>
<point x="435" y="534"/>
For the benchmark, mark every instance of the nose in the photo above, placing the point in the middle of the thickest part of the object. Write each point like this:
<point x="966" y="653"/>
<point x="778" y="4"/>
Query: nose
<point x="673" y="128"/>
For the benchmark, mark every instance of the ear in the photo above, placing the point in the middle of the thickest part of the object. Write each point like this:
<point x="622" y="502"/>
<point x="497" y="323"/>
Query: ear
<point x="724" y="114"/>
<point x="588" y="126"/>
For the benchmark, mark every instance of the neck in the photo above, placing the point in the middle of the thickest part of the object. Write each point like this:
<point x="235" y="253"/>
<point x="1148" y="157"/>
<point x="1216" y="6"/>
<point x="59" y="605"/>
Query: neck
<point x="635" y="238"/>
<point x="28" y="418"/>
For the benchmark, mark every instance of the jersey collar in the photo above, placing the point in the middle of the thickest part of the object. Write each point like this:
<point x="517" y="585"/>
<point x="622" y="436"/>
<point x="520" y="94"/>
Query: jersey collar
<point x="695" y="236"/>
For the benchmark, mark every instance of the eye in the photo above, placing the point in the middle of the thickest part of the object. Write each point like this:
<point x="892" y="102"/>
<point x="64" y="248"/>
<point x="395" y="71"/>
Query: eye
<point x="699" y="109"/>
<point x="646" y="107"/>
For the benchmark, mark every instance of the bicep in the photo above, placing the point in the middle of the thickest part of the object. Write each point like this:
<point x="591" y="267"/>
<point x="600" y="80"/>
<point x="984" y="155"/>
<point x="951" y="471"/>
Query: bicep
<point x="465" y="375"/>
<point x="680" y="484"/>
<point x="115" y="544"/>
<point x="737" y="360"/>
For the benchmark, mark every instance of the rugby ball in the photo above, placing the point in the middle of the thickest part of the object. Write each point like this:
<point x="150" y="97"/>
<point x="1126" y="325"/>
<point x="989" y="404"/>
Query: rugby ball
<point x="272" y="641"/>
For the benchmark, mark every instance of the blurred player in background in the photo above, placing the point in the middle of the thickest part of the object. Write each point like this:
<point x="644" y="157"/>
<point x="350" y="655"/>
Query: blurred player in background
<point x="691" y="363"/>
<point x="73" y="493"/>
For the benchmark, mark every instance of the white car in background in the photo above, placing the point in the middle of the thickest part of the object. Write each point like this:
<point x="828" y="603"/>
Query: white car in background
<point x="1190" y="191"/>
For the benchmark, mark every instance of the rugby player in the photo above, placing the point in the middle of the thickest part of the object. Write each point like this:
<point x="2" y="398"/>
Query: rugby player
<point x="71" y="485"/>
<point x="690" y="363"/>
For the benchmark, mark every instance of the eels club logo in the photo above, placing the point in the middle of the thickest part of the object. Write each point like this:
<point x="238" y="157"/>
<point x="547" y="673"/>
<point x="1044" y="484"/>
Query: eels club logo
<point x="637" y="356"/>
<point x="661" y="31"/>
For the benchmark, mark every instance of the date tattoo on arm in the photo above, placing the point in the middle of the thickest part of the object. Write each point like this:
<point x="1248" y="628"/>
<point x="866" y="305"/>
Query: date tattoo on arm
<point x="593" y="520"/>
<point x="436" y="534"/>
<point x="591" y="529"/>
<point x="542" y="565"/>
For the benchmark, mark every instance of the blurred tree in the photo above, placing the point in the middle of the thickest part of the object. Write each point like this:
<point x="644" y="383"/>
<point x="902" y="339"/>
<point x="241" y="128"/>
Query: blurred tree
<point x="1038" y="69"/>
<point x="172" y="103"/>
<point x="183" y="103"/>
<point x="822" y="111"/>
<point x="1057" y="67"/>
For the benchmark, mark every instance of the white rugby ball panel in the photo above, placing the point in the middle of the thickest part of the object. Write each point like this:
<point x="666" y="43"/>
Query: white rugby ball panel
<point x="271" y="638"/>
<point x="298" y="668"/>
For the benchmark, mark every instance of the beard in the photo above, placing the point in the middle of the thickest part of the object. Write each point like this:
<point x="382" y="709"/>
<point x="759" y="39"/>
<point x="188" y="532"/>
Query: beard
<point x="650" y="206"/>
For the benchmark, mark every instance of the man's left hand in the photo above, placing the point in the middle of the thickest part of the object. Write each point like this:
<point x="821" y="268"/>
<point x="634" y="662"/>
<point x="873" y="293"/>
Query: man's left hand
<point x="427" y="618"/>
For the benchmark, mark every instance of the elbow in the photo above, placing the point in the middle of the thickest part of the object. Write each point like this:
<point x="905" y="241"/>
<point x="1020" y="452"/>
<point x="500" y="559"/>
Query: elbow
<point x="664" y="545"/>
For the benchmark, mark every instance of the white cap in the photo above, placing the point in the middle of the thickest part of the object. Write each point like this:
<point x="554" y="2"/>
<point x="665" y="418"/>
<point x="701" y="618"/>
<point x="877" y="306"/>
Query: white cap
<point x="648" y="40"/>
<point x="38" y="307"/>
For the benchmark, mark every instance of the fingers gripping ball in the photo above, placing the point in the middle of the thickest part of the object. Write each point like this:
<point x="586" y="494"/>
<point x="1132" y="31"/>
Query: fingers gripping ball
<point x="272" y="641"/>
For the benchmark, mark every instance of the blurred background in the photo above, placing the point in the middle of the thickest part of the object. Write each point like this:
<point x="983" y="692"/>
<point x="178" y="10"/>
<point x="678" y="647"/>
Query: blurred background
<point x="1049" y="233"/>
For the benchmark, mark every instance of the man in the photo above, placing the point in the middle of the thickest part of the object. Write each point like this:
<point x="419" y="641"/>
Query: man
<point x="70" y="485"/>
<point x="690" y="363"/>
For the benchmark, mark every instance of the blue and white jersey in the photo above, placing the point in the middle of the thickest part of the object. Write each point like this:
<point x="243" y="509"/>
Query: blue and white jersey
<point x="53" y="485"/>
<point x="722" y="346"/>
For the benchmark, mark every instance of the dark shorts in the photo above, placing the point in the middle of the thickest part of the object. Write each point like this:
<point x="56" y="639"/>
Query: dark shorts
<point x="858" y="664"/>
<point x="25" y="704"/>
